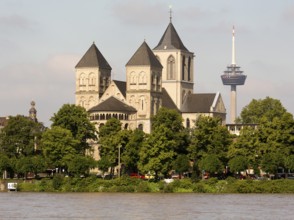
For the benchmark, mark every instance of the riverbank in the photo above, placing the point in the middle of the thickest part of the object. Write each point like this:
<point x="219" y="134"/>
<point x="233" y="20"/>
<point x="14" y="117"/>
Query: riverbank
<point x="126" y="184"/>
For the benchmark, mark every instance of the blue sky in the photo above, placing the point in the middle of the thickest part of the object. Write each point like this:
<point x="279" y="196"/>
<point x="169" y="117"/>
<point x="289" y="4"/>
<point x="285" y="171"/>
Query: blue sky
<point x="42" y="41"/>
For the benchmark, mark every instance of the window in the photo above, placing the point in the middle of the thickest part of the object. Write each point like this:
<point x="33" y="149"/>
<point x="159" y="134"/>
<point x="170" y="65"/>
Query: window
<point x="171" y="68"/>
<point x="183" y="68"/>
<point x="140" y="127"/>
<point x="187" y="123"/>
<point x="189" y="69"/>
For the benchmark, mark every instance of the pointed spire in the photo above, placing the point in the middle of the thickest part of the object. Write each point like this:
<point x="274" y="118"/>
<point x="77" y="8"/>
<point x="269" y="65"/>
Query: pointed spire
<point x="233" y="47"/>
<point x="170" y="40"/>
<point x="93" y="58"/>
<point x="33" y="111"/>
<point x="170" y="13"/>
<point x="144" y="57"/>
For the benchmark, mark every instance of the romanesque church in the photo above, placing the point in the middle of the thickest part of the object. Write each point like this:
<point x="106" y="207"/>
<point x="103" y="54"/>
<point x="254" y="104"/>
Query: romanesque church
<point x="162" y="77"/>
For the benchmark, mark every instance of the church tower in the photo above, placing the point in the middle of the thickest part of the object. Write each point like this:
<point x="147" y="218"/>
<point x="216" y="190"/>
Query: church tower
<point x="177" y="62"/>
<point x="93" y="74"/>
<point x="144" y="89"/>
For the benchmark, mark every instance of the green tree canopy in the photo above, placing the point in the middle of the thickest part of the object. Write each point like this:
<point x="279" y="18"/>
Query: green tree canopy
<point x="267" y="108"/>
<point x="75" y="119"/>
<point x="132" y="145"/>
<point x="211" y="164"/>
<point x="110" y="140"/>
<point x="238" y="164"/>
<point x="58" y="146"/>
<point x="209" y="137"/>
<point x="18" y="137"/>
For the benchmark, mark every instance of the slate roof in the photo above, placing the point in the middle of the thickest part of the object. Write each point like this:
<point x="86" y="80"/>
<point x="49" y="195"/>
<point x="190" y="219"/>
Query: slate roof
<point x="122" y="86"/>
<point x="112" y="105"/>
<point x="144" y="57"/>
<point x="198" y="103"/>
<point x="170" y="40"/>
<point x="167" y="101"/>
<point x="93" y="58"/>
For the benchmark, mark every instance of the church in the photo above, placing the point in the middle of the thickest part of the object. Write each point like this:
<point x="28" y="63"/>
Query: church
<point x="155" y="78"/>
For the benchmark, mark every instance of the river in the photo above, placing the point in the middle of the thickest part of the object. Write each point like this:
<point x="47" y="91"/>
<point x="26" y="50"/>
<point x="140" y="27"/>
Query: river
<point x="125" y="206"/>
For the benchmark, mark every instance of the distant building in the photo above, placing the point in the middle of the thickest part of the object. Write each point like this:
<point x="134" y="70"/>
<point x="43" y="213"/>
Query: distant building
<point x="162" y="77"/>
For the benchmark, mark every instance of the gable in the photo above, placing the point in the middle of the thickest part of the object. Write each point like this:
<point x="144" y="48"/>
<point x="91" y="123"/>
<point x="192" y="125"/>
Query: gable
<point x="116" y="89"/>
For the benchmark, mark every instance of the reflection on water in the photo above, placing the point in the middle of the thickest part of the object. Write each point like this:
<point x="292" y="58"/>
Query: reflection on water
<point x="145" y="206"/>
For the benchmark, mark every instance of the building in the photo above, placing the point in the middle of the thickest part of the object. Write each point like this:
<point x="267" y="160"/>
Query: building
<point x="233" y="77"/>
<point x="162" y="77"/>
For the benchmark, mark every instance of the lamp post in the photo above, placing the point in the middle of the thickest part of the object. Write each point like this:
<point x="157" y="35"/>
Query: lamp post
<point x="119" y="146"/>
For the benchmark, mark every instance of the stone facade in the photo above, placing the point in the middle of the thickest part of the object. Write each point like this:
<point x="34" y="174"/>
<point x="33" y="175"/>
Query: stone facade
<point x="162" y="77"/>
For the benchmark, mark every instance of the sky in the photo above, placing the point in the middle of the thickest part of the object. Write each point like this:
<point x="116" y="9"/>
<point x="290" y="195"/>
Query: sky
<point x="42" y="41"/>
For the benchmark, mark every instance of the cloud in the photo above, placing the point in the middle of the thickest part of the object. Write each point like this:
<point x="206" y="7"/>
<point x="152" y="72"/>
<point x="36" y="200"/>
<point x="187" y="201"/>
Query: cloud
<point x="139" y="12"/>
<point x="16" y="22"/>
<point x="50" y="84"/>
<point x="288" y="14"/>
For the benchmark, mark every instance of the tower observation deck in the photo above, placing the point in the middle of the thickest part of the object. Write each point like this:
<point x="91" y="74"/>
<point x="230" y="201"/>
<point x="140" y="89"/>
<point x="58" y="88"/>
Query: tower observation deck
<point x="233" y="77"/>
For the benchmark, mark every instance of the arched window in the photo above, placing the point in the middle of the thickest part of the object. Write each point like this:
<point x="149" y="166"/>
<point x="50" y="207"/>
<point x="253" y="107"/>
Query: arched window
<point x="187" y="123"/>
<point x="140" y="127"/>
<point x="183" y="95"/>
<point x="82" y="79"/>
<point x="183" y="68"/>
<point x="126" y="126"/>
<point x="189" y="69"/>
<point x="171" y="68"/>
<point x="92" y="79"/>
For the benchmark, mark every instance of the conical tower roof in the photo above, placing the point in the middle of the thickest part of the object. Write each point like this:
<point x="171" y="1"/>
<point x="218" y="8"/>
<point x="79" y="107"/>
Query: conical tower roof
<point x="144" y="57"/>
<point x="93" y="58"/>
<point x="170" y="40"/>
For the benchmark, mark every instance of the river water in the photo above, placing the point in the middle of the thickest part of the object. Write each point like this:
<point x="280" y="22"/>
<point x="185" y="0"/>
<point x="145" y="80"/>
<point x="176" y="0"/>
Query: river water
<point x="125" y="206"/>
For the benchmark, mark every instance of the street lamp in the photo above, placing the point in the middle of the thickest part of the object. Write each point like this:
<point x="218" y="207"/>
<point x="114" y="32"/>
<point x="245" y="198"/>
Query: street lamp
<point x="119" y="146"/>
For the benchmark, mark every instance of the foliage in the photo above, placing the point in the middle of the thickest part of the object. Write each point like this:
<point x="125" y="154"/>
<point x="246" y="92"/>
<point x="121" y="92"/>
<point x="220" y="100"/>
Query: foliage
<point x="262" y="109"/>
<point x="181" y="164"/>
<point x="209" y="137"/>
<point x="157" y="152"/>
<point x="172" y="120"/>
<point x="58" y="146"/>
<point x="211" y="164"/>
<point x="289" y="162"/>
<point x="110" y="141"/>
<point x="238" y="164"/>
<point x="132" y="145"/>
<point x="18" y="137"/>
<point x="75" y="119"/>
<point x="103" y="164"/>
<point x="271" y="162"/>
<point x="80" y="165"/>
<point x="4" y="162"/>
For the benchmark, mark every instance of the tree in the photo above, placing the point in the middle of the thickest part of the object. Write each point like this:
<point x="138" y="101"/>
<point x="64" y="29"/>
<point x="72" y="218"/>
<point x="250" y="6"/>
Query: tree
<point x="58" y="147"/>
<point x="171" y="119"/>
<point x="76" y="120"/>
<point x="18" y="137"/>
<point x="209" y="137"/>
<point x="157" y="152"/>
<point x="181" y="164"/>
<point x="238" y="164"/>
<point x="211" y="164"/>
<point x="271" y="162"/>
<point x="103" y="165"/>
<point x="267" y="108"/>
<point x="4" y="162"/>
<point x="289" y="162"/>
<point x="246" y="146"/>
<point x="110" y="141"/>
<point x="80" y="165"/>
<point x="131" y="148"/>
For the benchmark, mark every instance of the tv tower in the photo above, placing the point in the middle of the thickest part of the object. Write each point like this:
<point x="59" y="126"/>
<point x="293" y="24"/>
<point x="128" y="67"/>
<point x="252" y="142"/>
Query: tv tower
<point x="233" y="77"/>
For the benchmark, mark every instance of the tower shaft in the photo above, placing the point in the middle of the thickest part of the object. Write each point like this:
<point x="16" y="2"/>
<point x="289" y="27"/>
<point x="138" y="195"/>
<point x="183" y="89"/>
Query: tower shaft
<point x="233" y="110"/>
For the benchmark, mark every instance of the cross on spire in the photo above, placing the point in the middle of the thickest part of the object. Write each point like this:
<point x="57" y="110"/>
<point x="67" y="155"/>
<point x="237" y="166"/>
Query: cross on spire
<point x="170" y="14"/>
